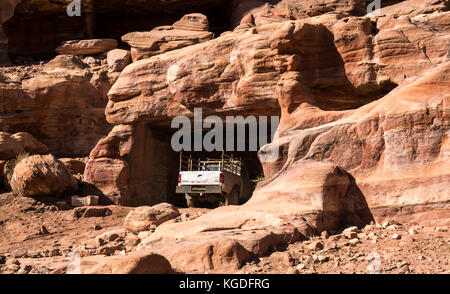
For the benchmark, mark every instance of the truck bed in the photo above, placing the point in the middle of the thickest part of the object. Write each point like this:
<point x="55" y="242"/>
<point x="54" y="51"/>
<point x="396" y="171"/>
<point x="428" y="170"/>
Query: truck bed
<point x="188" y="178"/>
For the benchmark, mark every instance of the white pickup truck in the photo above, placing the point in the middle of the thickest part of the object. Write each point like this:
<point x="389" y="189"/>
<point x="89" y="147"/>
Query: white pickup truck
<point x="213" y="181"/>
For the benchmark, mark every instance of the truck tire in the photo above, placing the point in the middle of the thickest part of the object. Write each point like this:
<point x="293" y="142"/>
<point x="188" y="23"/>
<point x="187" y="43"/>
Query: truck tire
<point x="192" y="202"/>
<point x="232" y="198"/>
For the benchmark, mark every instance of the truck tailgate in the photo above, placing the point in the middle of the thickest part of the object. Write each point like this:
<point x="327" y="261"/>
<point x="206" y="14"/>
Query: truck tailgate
<point x="199" y="178"/>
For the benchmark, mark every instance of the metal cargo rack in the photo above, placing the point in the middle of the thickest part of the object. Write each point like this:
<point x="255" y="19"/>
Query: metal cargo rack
<point x="227" y="163"/>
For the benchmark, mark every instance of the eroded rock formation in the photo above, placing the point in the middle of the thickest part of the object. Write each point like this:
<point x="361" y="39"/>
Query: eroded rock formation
<point x="364" y="124"/>
<point x="189" y="30"/>
<point x="12" y="145"/>
<point x="42" y="175"/>
<point x="87" y="47"/>
<point x="60" y="103"/>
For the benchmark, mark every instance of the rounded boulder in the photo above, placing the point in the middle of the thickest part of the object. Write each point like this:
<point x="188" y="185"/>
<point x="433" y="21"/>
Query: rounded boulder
<point x="42" y="175"/>
<point x="144" y="218"/>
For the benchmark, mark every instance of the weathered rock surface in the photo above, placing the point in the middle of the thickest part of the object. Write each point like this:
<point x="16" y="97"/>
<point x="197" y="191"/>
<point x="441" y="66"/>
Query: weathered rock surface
<point x="12" y="145"/>
<point x="42" y="175"/>
<point x="118" y="59"/>
<point x="86" y="47"/>
<point x="189" y="30"/>
<point x="109" y="171"/>
<point x="260" y="12"/>
<point x="6" y="12"/>
<point x="62" y="62"/>
<point x="363" y="135"/>
<point x="136" y="263"/>
<point x="91" y="211"/>
<point x="74" y="165"/>
<point x="282" y="68"/>
<point x="61" y="104"/>
<point x="110" y="236"/>
<point x="192" y="22"/>
<point x="309" y="198"/>
<point x="145" y="217"/>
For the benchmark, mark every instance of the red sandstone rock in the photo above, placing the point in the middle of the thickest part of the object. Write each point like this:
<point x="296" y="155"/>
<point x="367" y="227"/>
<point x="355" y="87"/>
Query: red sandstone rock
<point x="321" y="73"/>
<point x="6" y="12"/>
<point x="308" y="198"/>
<point x="264" y="13"/>
<point x="60" y="104"/>
<point x="381" y="143"/>
<point x="191" y="29"/>
<point x="145" y="217"/>
<point x="118" y="59"/>
<point x="12" y="145"/>
<point x="363" y="133"/>
<point x="64" y="62"/>
<point x="91" y="211"/>
<point x="109" y="171"/>
<point x="75" y="166"/>
<point x="86" y="47"/>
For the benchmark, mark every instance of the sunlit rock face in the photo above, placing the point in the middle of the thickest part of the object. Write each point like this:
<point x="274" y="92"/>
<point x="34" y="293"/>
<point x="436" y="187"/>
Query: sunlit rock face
<point x="189" y="30"/>
<point x="366" y="93"/>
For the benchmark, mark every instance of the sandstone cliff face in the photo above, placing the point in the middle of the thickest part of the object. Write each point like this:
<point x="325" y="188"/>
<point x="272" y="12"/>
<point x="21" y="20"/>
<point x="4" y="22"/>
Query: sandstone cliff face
<point x="327" y="76"/>
<point x="366" y="93"/>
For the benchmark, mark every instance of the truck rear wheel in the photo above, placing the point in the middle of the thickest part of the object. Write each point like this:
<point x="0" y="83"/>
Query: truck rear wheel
<point x="233" y="197"/>
<point x="192" y="201"/>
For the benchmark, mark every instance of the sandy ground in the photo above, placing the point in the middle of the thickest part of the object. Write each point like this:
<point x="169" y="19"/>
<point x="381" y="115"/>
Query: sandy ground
<point x="37" y="238"/>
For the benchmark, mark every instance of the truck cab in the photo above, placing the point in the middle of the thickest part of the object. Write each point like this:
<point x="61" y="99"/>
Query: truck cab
<point x="205" y="181"/>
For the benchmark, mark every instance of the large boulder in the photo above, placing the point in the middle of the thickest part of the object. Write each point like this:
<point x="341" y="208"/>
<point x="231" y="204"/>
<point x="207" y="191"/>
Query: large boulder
<point x="146" y="217"/>
<point x="12" y="145"/>
<point x="86" y="47"/>
<point x="42" y="175"/>
<point x="117" y="59"/>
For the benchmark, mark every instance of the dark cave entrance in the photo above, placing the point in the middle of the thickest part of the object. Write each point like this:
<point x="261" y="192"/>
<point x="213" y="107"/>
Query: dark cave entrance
<point x="34" y="35"/>
<point x="154" y="165"/>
